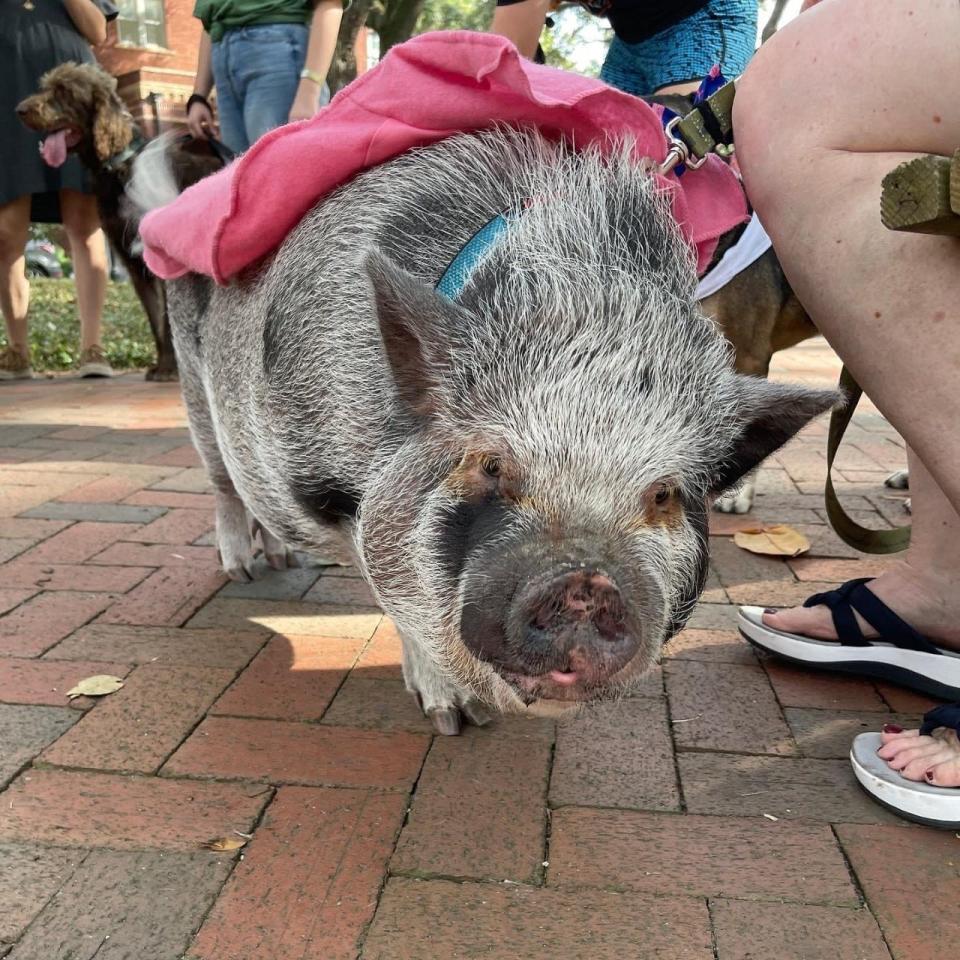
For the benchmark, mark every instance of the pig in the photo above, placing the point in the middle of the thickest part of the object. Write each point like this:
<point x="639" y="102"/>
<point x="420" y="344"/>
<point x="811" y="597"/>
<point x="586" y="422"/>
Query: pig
<point x="523" y="468"/>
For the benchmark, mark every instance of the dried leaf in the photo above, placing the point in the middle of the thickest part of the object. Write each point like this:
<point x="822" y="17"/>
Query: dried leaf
<point x="97" y="686"/>
<point x="224" y="844"/>
<point x="775" y="541"/>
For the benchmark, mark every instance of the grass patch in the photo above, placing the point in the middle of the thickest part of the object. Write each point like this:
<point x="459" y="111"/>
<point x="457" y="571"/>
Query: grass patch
<point x="55" y="327"/>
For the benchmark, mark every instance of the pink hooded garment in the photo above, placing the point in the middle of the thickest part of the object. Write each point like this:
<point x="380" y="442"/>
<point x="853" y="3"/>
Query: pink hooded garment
<point x="432" y="87"/>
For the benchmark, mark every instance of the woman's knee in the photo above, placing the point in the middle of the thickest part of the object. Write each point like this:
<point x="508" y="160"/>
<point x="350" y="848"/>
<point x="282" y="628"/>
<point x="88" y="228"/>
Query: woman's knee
<point x="81" y="218"/>
<point x="14" y="230"/>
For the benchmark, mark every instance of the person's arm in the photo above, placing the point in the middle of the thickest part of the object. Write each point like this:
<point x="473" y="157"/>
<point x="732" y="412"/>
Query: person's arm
<point x="324" y="28"/>
<point x="88" y="19"/>
<point x="199" y="114"/>
<point x="521" y="23"/>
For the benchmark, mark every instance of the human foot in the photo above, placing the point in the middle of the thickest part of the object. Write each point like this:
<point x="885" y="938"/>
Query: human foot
<point x="15" y="364"/>
<point x="932" y="608"/>
<point x="851" y="630"/>
<point x="933" y="758"/>
<point x="915" y="773"/>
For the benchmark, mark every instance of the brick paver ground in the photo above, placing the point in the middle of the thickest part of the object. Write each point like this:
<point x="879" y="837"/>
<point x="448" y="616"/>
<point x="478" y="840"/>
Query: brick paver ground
<point x="711" y="815"/>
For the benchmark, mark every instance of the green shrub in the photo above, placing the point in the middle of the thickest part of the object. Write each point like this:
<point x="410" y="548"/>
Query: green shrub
<point x="55" y="327"/>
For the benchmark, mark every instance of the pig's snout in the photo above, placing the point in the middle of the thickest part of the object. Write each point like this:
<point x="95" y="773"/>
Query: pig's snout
<point x="567" y="632"/>
<point x="572" y="599"/>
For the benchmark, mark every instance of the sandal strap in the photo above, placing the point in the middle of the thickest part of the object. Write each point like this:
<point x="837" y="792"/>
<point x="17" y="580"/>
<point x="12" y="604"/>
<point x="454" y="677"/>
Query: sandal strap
<point x="854" y="596"/>
<point x="947" y="715"/>
<point x="844" y="621"/>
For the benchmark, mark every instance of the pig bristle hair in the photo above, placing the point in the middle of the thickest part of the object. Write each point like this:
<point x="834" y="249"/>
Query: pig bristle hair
<point x="576" y="346"/>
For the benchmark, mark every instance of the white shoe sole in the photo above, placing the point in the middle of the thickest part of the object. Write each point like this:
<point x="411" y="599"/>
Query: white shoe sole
<point x="922" y="802"/>
<point x="95" y="370"/>
<point x="935" y="675"/>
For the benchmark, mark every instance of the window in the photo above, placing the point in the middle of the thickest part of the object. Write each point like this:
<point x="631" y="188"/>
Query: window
<point x="140" y="23"/>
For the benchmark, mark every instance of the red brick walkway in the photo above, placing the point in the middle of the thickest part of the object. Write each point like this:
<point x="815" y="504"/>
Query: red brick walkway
<point x="712" y="815"/>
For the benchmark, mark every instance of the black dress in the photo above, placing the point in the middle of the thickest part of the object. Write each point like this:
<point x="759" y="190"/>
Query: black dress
<point x="35" y="36"/>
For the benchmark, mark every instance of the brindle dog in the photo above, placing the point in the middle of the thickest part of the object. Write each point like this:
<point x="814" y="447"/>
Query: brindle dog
<point x="77" y="109"/>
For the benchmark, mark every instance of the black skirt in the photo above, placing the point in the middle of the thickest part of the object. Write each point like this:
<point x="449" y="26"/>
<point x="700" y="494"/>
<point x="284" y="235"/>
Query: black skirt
<point x="35" y="36"/>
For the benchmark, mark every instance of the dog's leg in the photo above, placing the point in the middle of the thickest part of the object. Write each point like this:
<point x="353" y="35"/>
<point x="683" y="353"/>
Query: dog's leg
<point x="150" y="291"/>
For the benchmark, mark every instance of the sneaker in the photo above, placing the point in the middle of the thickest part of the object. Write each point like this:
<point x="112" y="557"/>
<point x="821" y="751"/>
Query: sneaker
<point x="93" y="363"/>
<point x="15" y="365"/>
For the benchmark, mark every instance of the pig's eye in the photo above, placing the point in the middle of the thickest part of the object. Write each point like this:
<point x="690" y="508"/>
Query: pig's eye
<point x="491" y="466"/>
<point x="662" y="495"/>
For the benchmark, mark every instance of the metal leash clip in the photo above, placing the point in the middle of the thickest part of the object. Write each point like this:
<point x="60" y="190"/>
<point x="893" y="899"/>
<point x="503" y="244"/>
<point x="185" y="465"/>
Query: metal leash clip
<point x="678" y="151"/>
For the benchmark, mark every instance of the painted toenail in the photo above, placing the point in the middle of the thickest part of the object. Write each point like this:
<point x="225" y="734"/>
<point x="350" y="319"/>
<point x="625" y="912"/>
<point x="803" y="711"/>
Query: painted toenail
<point x="928" y="776"/>
<point x="769" y="610"/>
<point x="892" y="728"/>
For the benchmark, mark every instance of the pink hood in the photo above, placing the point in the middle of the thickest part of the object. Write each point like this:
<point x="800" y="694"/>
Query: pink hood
<point x="432" y="87"/>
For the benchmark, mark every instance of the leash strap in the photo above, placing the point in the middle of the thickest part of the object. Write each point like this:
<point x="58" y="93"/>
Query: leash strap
<point x="707" y="128"/>
<point x="847" y="529"/>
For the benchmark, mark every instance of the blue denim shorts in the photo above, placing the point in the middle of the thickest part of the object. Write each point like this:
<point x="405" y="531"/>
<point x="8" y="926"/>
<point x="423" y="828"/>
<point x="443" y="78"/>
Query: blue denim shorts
<point x="256" y="71"/>
<point x="724" y="32"/>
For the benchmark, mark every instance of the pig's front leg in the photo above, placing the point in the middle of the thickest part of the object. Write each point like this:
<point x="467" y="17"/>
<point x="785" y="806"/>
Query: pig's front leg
<point x="441" y="700"/>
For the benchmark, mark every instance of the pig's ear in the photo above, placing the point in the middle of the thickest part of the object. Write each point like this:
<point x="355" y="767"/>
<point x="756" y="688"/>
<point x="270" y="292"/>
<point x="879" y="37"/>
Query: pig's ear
<point x="419" y="328"/>
<point x="772" y="413"/>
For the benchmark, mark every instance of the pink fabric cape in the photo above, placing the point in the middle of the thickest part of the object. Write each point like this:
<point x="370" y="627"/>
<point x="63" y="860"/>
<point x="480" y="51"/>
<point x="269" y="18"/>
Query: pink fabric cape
<point x="429" y="88"/>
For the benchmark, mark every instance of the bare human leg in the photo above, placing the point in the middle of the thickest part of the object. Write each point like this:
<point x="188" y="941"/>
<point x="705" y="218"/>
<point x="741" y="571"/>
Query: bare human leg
<point x="88" y="248"/>
<point x="829" y="106"/>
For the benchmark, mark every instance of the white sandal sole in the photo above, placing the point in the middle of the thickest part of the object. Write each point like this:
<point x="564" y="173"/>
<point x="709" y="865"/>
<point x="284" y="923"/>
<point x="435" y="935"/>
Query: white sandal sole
<point x="935" y="675"/>
<point x="921" y="802"/>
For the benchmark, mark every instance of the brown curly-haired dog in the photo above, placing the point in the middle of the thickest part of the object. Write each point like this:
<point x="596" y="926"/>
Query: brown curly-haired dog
<point x="77" y="109"/>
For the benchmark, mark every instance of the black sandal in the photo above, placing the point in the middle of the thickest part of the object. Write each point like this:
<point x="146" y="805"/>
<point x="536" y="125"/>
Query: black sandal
<point x="899" y="655"/>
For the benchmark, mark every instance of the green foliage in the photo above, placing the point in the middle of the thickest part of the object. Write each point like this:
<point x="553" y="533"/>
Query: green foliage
<point x="455" y="15"/>
<point x="55" y="327"/>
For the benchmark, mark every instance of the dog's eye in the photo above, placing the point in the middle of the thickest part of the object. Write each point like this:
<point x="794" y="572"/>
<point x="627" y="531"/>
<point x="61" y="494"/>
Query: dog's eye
<point x="662" y="495"/>
<point x="491" y="466"/>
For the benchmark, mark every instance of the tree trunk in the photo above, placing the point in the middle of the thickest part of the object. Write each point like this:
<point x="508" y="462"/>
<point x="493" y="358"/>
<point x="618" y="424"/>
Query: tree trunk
<point x="343" y="69"/>
<point x="770" y="28"/>
<point x="397" y="23"/>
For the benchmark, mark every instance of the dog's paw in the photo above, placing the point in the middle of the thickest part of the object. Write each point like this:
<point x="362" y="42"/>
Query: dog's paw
<point x="162" y="375"/>
<point x="736" y="501"/>
<point x="899" y="480"/>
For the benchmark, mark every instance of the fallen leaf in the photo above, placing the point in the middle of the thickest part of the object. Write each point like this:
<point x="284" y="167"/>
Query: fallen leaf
<point x="223" y="844"/>
<point x="97" y="686"/>
<point x="776" y="541"/>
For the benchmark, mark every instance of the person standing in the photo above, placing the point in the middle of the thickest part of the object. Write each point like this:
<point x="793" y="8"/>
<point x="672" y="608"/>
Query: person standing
<point x="35" y="36"/>
<point x="267" y="59"/>
<point x="658" y="46"/>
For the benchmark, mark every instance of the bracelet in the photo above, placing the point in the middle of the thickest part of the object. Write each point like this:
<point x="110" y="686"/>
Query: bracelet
<point x="307" y="74"/>
<point x="197" y="98"/>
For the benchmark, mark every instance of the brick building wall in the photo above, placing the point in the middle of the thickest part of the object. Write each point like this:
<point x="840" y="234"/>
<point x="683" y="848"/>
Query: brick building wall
<point x="156" y="81"/>
<point x="156" y="75"/>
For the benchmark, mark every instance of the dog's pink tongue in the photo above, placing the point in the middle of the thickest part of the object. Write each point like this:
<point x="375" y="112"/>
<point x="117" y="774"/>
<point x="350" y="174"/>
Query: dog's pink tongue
<point x="54" y="149"/>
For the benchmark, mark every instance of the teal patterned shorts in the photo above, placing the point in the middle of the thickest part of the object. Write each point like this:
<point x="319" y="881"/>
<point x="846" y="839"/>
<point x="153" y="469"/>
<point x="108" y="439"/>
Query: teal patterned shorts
<point x="724" y="32"/>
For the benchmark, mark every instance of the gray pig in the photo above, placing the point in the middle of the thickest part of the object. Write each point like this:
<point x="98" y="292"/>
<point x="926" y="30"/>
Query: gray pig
<point x="523" y="470"/>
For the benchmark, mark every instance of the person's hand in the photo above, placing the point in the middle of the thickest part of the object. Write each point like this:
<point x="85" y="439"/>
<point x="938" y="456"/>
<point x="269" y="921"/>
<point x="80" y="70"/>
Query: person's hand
<point x="306" y="102"/>
<point x="200" y="120"/>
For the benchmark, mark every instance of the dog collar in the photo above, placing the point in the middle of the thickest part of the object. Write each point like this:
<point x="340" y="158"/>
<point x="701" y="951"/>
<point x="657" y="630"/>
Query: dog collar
<point x="461" y="267"/>
<point x="115" y="162"/>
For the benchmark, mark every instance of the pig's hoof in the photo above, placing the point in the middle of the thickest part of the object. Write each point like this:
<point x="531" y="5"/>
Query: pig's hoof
<point x="275" y="551"/>
<point x="236" y="566"/>
<point x="445" y="720"/>
<point x="448" y="720"/>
